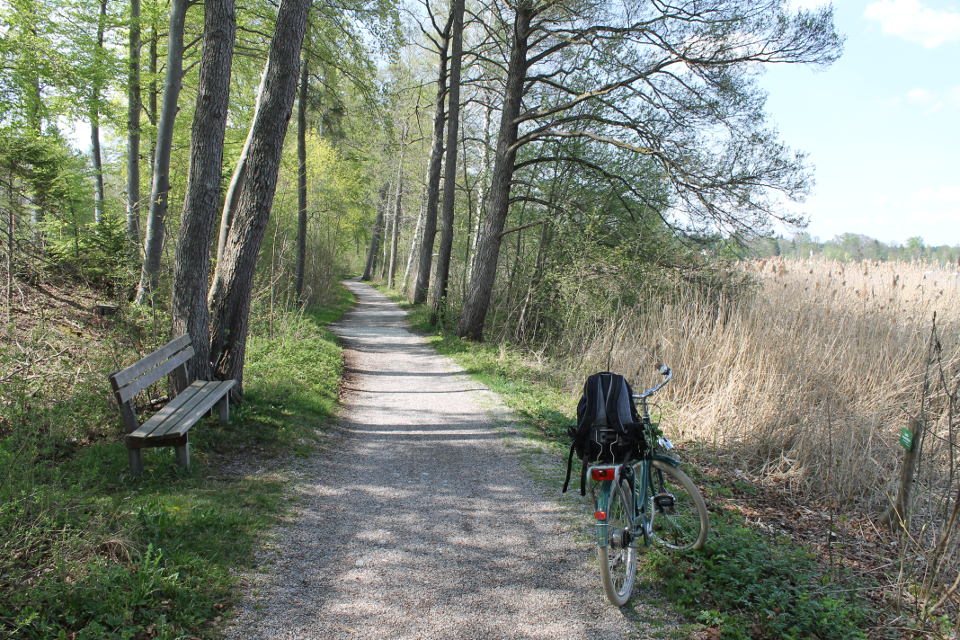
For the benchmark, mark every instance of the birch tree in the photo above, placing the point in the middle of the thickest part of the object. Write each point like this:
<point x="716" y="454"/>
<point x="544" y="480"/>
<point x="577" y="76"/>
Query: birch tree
<point x="153" y="245"/>
<point x="432" y="193"/>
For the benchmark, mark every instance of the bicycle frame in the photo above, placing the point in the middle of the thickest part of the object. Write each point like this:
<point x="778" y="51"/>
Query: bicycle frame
<point x="648" y="498"/>
<point x="641" y="491"/>
<point x="640" y="523"/>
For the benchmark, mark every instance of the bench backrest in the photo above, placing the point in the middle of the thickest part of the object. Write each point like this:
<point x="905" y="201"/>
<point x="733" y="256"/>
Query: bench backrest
<point x="169" y="359"/>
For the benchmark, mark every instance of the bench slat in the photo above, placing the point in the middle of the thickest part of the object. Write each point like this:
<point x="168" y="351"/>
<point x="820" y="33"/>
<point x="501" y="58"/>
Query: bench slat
<point x="188" y="407"/>
<point x="138" y="368"/>
<point x="154" y="375"/>
<point x="185" y="410"/>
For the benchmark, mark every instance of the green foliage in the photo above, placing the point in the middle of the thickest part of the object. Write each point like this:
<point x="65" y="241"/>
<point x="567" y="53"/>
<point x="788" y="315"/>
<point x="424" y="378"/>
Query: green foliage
<point x="749" y="587"/>
<point x="93" y="253"/>
<point x="86" y="551"/>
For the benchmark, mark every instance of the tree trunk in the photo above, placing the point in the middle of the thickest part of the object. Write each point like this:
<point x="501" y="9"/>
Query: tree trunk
<point x="377" y="232"/>
<point x="397" y="208"/>
<point x="233" y="281"/>
<point x="133" y="131"/>
<point x="385" y="249"/>
<point x="302" y="178"/>
<point x="395" y="235"/>
<point x="151" y="110"/>
<point x="95" y="118"/>
<point x="97" y="159"/>
<point x="202" y="202"/>
<point x="433" y="182"/>
<point x="498" y="198"/>
<point x="450" y="167"/>
<point x="481" y="195"/>
<point x="414" y="243"/>
<point x="153" y="246"/>
<point x="521" y="334"/>
<point x="239" y="175"/>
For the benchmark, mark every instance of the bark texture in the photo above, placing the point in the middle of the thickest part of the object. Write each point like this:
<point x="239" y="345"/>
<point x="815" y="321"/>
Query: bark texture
<point x="377" y="232"/>
<point x="239" y="174"/>
<point x="133" y="130"/>
<point x="202" y="202"/>
<point x="302" y="178"/>
<point x="450" y="164"/>
<point x="433" y="182"/>
<point x="151" y="107"/>
<point x="498" y="197"/>
<point x="397" y="210"/>
<point x="233" y="281"/>
<point x="414" y="243"/>
<point x="395" y="230"/>
<point x="153" y="246"/>
<point x="95" y="119"/>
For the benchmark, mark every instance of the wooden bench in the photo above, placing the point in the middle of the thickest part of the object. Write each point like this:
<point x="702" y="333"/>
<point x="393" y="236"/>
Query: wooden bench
<point x="169" y="426"/>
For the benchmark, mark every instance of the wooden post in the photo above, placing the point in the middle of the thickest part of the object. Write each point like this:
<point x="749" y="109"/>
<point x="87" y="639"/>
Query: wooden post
<point x="224" y="409"/>
<point x="897" y="515"/>
<point x="136" y="460"/>
<point x="183" y="453"/>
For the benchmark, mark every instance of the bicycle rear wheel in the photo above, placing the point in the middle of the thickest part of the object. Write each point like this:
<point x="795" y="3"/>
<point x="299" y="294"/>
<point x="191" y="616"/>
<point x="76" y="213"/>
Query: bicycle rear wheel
<point x="677" y="509"/>
<point x="618" y="558"/>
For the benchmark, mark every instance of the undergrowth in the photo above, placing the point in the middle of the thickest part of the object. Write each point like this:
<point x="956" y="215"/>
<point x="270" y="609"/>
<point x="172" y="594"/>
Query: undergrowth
<point x="89" y="552"/>
<point x="743" y="584"/>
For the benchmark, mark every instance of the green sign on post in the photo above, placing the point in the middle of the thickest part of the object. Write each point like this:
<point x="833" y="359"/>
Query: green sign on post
<point x="906" y="439"/>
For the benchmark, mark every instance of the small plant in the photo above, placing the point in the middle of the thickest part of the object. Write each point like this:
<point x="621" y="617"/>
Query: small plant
<point x="750" y="588"/>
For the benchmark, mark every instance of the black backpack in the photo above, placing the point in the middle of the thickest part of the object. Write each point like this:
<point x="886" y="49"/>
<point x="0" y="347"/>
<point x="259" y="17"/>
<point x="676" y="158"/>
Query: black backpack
<point x="608" y="428"/>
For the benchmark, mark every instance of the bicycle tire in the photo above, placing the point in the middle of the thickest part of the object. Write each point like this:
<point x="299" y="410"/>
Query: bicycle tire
<point x="618" y="561"/>
<point x="679" y="516"/>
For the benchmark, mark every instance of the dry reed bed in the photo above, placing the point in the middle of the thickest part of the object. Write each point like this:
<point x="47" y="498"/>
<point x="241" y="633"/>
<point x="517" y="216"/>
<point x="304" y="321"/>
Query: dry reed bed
<point x="806" y="379"/>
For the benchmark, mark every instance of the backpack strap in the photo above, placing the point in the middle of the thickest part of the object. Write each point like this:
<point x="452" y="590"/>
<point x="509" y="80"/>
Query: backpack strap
<point x="566" y="481"/>
<point x="583" y="477"/>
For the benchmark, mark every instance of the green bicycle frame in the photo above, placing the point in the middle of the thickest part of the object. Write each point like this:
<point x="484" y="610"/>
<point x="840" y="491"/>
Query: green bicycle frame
<point x="640" y="495"/>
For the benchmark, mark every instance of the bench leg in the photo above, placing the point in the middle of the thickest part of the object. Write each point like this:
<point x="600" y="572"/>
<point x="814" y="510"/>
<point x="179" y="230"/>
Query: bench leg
<point x="136" y="461"/>
<point x="224" y="407"/>
<point x="183" y="454"/>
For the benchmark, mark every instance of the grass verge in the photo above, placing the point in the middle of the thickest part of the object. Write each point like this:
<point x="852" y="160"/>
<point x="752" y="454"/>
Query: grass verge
<point x="743" y="584"/>
<point x="88" y="552"/>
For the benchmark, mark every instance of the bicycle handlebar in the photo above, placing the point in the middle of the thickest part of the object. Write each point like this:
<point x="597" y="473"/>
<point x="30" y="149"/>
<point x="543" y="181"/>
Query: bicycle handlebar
<point x="667" y="374"/>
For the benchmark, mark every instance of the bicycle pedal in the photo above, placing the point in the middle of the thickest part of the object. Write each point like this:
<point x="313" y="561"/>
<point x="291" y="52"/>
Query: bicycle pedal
<point x="664" y="501"/>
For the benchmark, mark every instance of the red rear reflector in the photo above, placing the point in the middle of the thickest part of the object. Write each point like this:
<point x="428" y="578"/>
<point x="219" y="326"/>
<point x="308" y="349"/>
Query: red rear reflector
<point x="602" y="474"/>
<point x="600" y="515"/>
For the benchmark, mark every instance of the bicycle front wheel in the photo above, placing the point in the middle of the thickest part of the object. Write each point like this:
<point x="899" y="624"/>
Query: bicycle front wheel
<point x="618" y="558"/>
<point x="677" y="509"/>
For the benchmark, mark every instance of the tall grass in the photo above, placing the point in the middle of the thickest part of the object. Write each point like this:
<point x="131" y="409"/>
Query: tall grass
<point x="805" y="378"/>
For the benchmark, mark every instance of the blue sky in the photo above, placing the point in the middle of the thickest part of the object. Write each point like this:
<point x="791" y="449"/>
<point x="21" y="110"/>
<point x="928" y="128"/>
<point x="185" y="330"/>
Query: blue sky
<point x="881" y="126"/>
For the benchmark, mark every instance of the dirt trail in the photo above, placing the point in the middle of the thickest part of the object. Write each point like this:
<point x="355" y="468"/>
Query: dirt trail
<point x="418" y="522"/>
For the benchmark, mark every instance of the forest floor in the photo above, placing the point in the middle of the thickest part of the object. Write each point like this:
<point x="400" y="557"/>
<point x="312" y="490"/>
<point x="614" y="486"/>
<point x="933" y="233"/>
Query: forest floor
<point x="419" y="522"/>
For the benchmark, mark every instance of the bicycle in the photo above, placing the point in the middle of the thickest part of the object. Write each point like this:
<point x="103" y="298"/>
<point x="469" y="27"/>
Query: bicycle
<point x="644" y="499"/>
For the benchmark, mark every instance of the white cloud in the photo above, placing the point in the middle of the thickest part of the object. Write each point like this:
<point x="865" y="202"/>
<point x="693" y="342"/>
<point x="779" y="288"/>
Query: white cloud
<point x="949" y="195"/>
<point x="931" y="101"/>
<point x="914" y="22"/>
<point x="922" y="97"/>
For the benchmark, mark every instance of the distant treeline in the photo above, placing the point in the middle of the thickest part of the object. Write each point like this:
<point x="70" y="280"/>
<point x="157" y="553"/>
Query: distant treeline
<point x="852" y="247"/>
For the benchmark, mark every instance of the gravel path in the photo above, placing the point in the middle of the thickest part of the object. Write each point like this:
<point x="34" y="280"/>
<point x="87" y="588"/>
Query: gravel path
<point x="418" y="521"/>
